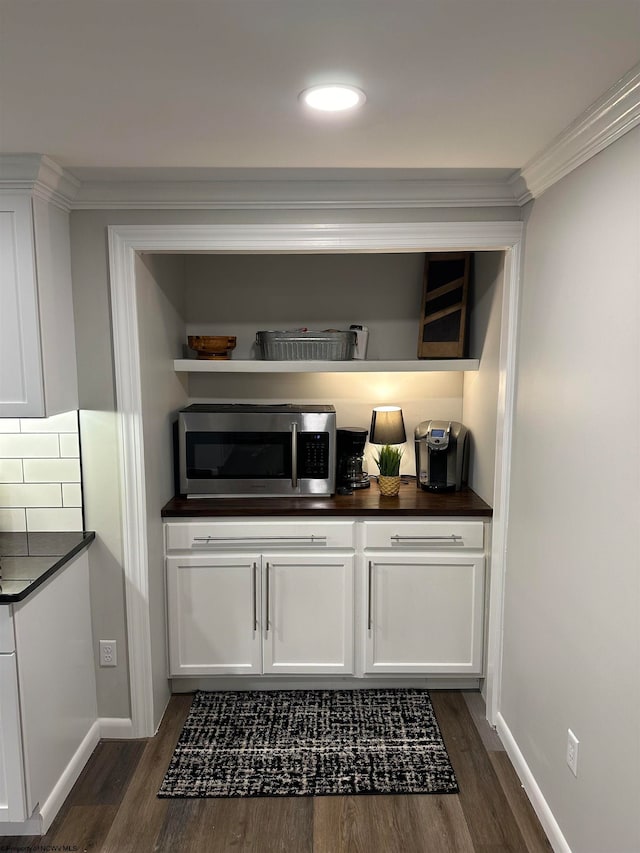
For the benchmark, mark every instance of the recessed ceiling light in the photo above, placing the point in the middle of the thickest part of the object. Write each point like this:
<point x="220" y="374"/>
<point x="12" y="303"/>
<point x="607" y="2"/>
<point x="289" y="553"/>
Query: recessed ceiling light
<point x="333" y="98"/>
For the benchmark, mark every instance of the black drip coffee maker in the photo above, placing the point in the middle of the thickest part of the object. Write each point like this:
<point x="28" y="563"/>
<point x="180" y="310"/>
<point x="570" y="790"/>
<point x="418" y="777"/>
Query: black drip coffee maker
<point x="350" y="443"/>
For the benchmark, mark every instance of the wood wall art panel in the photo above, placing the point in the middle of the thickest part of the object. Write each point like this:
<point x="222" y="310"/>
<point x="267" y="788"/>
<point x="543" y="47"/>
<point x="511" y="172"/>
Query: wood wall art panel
<point x="445" y="302"/>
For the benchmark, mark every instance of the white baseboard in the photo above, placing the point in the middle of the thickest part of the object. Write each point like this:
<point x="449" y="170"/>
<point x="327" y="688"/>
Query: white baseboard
<point x="115" y="728"/>
<point x="540" y="806"/>
<point x="65" y="783"/>
<point x="32" y="826"/>
<point x="119" y="728"/>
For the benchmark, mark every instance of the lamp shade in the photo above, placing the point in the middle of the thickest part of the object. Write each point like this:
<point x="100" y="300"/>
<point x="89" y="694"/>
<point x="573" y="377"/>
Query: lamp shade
<point x="387" y="426"/>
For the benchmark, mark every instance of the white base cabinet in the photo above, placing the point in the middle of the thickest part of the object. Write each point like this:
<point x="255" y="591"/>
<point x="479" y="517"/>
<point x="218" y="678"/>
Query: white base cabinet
<point x="276" y="597"/>
<point x="238" y="614"/>
<point x="48" y="713"/>
<point x="424" y="614"/>
<point x="424" y="597"/>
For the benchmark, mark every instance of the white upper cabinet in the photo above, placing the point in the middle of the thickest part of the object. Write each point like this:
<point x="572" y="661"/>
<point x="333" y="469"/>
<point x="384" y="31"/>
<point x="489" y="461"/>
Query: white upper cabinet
<point x="38" y="374"/>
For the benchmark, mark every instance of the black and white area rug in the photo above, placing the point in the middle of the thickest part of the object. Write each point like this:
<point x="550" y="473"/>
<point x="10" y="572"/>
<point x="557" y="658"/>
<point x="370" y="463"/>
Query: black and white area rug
<point x="306" y="743"/>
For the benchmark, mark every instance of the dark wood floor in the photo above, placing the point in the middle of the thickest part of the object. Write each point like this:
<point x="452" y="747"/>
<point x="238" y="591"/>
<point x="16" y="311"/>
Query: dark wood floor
<point x="113" y="808"/>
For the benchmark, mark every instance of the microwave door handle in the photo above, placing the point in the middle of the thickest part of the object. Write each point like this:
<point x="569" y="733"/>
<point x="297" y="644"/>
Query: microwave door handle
<point x="294" y="455"/>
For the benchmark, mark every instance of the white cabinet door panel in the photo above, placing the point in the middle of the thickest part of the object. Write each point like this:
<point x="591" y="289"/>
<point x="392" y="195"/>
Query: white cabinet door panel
<point x="424" y="613"/>
<point x="21" y="383"/>
<point x="214" y="614"/>
<point x="308" y="614"/>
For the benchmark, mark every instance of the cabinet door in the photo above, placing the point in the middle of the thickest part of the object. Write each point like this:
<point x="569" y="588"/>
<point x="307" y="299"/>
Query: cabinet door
<point x="424" y="613"/>
<point x="308" y="607"/>
<point x="21" y="381"/>
<point x="214" y="614"/>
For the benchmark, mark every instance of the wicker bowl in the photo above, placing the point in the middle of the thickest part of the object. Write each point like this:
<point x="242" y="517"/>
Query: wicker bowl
<point x="212" y="346"/>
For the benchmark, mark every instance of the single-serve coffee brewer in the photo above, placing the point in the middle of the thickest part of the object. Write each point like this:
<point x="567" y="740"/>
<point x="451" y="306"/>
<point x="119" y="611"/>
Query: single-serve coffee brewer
<point x="350" y="443"/>
<point x="442" y="455"/>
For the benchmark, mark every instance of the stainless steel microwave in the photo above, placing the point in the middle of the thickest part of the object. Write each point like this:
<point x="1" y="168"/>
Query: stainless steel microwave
<point x="242" y="450"/>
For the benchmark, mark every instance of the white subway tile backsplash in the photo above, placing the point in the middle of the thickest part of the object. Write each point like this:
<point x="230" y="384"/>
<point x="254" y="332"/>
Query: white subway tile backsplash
<point x="51" y="470"/>
<point x="11" y="471"/>
<point x="69" y="445"/>
<point x="40" y="474"/>
<point x="13" y="520"/>
<point x="28" y="446"/>
<point x="71" y="494"/>
<point x="54" y="519"/>
<point x="30" y="494"/>
<point x="66" y="422"/>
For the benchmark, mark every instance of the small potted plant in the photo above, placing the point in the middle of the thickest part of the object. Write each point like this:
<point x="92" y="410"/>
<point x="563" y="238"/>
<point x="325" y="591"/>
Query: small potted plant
<point x="388" y="461"/>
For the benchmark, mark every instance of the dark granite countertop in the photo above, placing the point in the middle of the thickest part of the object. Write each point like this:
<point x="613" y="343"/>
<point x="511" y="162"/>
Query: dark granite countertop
<point x="411" y="502"/>
<point x="28" y="559"/>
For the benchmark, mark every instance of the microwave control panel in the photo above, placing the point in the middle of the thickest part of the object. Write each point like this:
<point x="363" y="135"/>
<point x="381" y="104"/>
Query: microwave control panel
<point x="313" y="455"/>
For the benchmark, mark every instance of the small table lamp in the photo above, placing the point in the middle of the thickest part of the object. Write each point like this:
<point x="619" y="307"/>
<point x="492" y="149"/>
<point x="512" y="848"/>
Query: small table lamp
<point x="387" y="427"/>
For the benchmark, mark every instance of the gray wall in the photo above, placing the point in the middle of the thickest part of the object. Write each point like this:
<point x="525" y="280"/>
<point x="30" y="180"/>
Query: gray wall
<point x="100" y="449"/>
<point x="241" y="294"/>
<point x="572" y="616"/>
<point x="480" y="392"/>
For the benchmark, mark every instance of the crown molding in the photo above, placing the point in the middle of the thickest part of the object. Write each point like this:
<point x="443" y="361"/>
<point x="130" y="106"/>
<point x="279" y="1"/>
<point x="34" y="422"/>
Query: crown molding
<point x="605" y="121"/>
<point x="292" y="195"/>
<point x="39" y="175"/>
<point x="55" y="184"/>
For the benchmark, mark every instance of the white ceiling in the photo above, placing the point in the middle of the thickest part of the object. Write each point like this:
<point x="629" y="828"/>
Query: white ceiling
<point x="213" y="84"/>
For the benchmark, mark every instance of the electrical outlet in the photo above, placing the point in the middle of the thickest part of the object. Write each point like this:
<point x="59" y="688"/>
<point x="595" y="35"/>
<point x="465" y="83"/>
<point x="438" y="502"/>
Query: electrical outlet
<point x="108" y="653"/>
<point x="572" y="752"/>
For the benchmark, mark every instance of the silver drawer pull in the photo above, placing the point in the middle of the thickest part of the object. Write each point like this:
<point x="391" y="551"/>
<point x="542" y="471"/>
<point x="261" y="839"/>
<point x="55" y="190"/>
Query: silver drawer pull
<point x="451" y="538"/>
<point x="208" y="539"/>
<point x="268" y="599"/>
<point x="255" y="596"/>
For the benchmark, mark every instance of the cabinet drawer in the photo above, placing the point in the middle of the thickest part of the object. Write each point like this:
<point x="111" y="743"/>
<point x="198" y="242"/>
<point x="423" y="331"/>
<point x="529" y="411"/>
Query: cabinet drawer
<point x="225" y="535"/>
<point x="418" y="535"/>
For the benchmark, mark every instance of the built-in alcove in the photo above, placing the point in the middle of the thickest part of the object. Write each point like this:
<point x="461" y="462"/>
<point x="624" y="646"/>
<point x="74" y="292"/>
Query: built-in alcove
<point x="151" y="295"/>
<point x="230" y="294"/>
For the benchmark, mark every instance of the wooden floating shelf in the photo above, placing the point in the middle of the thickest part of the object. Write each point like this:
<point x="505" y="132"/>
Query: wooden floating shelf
<point x="192" y="365"/>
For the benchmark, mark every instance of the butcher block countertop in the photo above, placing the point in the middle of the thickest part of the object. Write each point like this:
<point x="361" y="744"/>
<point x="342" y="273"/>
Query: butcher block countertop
<point x="410" y="502"/>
